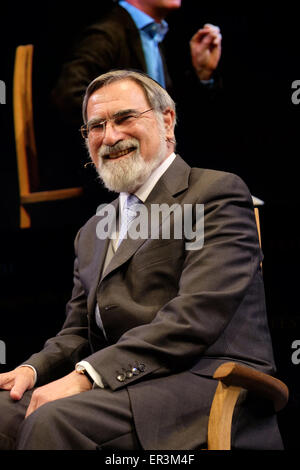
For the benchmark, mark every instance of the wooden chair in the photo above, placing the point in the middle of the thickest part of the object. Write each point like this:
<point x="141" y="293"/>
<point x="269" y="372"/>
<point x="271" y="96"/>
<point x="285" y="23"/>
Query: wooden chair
<point x="256" y="214"/>
<point x="233" y="379"/>
<point x="27" y="157"/>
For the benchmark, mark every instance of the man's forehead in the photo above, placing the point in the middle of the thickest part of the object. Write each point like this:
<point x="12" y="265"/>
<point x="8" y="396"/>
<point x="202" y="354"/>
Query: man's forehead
<point x="118" y="94"/>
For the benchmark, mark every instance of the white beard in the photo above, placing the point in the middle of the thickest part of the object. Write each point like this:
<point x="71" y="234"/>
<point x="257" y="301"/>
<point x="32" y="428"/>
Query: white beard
<point x="128" y="173"/>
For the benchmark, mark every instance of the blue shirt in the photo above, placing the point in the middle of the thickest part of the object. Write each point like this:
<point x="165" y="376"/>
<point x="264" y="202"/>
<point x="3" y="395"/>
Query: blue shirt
<point x="151" y="34"/>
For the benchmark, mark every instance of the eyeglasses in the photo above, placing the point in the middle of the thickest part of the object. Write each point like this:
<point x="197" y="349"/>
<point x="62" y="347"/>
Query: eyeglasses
<point x="121" y="121"/>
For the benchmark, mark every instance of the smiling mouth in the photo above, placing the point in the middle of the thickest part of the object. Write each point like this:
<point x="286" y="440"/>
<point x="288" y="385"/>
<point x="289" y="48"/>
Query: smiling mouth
<point x="121" y="153"/>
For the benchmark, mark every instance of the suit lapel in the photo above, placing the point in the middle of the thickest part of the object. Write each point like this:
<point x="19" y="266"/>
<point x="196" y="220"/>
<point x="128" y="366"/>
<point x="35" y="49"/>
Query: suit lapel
<point x="101" y="247"/>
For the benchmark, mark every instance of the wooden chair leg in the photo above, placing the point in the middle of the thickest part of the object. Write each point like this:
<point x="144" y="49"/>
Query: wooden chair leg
<point x="25" y="220"/>
<point x="220" y="419"/>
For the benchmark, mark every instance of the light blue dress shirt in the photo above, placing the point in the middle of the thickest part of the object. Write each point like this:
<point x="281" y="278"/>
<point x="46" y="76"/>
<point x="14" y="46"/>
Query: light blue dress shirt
<point x="151" y="34"/>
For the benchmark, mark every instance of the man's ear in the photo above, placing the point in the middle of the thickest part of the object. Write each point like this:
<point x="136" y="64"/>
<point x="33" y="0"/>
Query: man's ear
<point x="169" y="119"/>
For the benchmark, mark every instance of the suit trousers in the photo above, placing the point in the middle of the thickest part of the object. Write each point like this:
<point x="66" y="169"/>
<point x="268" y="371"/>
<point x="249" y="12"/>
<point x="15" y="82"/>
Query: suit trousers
<point x="93" y="420"/>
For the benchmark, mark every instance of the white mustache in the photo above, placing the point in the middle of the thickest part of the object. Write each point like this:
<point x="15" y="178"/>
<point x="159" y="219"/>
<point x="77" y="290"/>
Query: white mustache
<point x="107" y="150"/>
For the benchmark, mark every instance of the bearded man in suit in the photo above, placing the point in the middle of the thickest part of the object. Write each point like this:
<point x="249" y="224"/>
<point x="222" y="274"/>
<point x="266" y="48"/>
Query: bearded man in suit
<point x="150" y="318"/>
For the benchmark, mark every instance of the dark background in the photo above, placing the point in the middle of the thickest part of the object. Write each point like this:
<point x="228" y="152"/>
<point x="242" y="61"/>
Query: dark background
<point x="255" y="135"/>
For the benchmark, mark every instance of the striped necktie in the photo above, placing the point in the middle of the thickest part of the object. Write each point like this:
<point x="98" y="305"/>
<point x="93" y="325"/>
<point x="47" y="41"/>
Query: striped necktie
<point x="128" y="215"/>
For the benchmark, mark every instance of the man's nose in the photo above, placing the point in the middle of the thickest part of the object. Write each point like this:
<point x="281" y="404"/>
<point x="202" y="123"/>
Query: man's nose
<point x="111" y="134"/>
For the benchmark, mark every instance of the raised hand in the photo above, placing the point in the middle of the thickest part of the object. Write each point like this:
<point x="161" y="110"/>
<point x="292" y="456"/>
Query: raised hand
<point x="205" y="47"/>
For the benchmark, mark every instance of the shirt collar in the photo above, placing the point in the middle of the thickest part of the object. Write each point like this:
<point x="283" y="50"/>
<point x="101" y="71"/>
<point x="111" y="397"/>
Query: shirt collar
<point x="142" y="21"/>
<point x="156" y="31"/>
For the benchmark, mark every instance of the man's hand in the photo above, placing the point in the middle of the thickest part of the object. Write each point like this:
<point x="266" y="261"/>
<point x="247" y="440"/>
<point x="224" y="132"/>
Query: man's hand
<point x="17" y="381"/>
<point x="205" y="48"/>
<point x="71" y="384"/>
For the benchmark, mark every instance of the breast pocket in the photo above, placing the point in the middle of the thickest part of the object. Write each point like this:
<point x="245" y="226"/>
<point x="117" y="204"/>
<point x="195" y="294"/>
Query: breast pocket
<point x="154" y="253"/>
<point x="154" y="272"/>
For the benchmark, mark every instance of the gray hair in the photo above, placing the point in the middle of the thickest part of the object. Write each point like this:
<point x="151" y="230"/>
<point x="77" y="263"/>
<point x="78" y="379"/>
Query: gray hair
<point x="157" y="97"/>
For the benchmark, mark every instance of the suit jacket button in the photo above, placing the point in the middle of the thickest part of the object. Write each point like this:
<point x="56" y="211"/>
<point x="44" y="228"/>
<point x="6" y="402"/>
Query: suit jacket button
<point x="121" y="377"/>
<point x="141" y="367"/>
<point x="135" y="371"/>
<point x="129" y="374"/>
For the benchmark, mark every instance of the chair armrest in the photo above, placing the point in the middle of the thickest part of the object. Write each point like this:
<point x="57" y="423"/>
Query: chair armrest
<point x="233" y="379"/>
<point x="234" y="374"/>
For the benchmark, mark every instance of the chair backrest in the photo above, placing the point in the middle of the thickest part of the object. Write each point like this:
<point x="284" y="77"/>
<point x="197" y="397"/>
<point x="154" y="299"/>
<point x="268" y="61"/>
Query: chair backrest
<point x="27" y="157"/>
<point x="23" y="121"/>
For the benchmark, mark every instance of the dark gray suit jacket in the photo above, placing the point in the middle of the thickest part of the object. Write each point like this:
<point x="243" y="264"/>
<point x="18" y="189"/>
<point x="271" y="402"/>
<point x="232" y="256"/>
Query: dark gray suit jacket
<point x="174" y="315"/>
